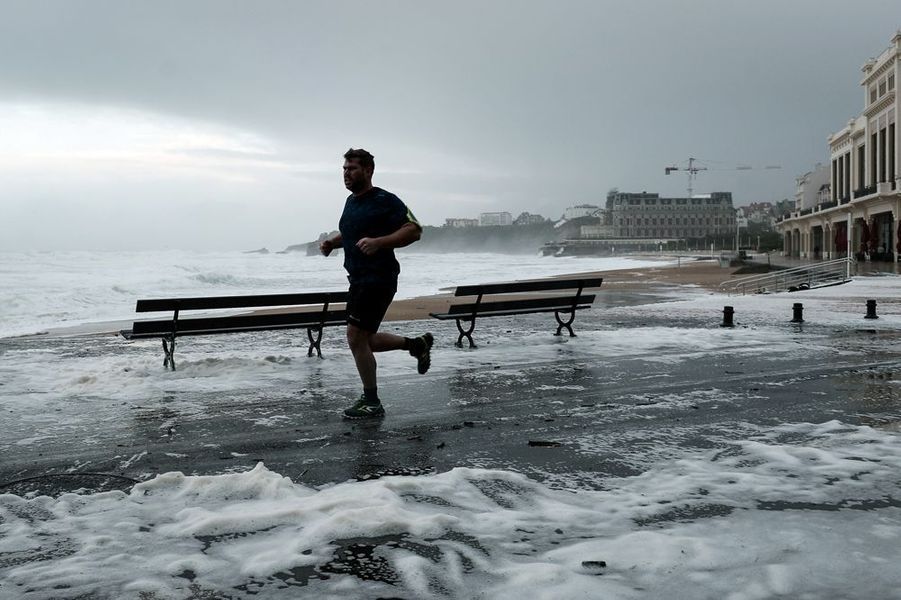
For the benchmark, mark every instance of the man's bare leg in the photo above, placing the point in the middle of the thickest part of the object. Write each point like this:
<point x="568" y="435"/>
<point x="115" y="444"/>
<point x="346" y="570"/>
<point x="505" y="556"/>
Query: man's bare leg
<point x="385" y="342"/>
<point x="360" y="342"/>
<point x="363" y="345"/>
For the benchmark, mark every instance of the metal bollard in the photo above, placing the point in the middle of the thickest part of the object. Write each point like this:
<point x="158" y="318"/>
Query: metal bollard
<point x="797" y="313"/>
<point x="728" y="311"/>
<point x="871" y="310"/>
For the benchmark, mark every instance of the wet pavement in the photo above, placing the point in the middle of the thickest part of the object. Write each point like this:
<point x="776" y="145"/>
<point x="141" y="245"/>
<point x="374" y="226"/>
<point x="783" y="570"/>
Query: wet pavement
<point x="567" y="412"/>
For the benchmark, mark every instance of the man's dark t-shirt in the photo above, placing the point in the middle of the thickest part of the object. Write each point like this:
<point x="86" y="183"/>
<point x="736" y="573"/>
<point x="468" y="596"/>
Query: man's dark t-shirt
<point x="376" y="213"/>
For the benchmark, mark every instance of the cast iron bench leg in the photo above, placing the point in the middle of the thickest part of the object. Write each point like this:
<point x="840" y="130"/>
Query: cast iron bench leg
<point x="169" y="350"/>
<point x="467" y="334"/>
<point x="567" y="324"/>
<point x="314" y="343"/>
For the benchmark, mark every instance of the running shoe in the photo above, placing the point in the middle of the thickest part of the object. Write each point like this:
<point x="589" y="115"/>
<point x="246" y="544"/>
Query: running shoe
<point x="422" y="351"/>
<point x="364" y="409"/>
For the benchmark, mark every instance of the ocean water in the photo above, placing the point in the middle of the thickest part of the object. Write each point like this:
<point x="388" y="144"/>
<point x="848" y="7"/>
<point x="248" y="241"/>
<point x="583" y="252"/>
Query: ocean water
<point x="46" y="290"/>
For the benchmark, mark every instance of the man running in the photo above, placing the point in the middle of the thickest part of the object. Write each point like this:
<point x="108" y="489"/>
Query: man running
<point x="373" y="224"/>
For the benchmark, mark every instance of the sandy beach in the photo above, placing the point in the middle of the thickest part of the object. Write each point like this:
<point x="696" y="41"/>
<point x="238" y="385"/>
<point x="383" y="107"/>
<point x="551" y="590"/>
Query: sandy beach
<point x="687" y="272"/>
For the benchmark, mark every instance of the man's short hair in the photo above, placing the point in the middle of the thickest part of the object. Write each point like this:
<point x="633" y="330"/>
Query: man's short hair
<point x="366" y="160"/>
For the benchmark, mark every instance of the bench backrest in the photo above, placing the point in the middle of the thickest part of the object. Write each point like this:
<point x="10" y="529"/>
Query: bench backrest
<point x="201" y="325"/>
<point x="528" y="286"/>
<point x="526" y="305"/>
<point x="154" y="305"/>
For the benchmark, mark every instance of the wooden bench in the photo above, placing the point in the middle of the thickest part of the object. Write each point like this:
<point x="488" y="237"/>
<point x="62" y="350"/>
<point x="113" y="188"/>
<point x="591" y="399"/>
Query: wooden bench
<point x="169" y="329"/>
<point x="498" y="307"/>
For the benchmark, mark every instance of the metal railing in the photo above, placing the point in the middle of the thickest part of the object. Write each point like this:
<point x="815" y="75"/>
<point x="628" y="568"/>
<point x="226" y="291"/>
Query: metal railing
<point x="796" y="278"/>
<point x="864" y="191"/>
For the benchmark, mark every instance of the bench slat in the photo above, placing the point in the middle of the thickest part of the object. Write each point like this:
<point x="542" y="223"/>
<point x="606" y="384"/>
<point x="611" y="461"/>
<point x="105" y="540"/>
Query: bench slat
<point x="236" y="323"/>
<point x="525" y="305"/>
<point x="200" y="303"/>
<point x="504" y="313"/>
<point x="528" y="286"/>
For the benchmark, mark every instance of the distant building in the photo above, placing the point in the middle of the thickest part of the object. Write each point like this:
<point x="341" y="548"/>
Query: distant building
<point x="824" y="194"/>
<point x="810" y="186"/>
<point x="461" y="222"/>
<point x="528" y="219"/>
<point x="757" y="213"/>
<point x="580" y="210"/>
<point x="784" y="207"/>
<point x="493" y="219"/>
<point x="644" y="215"/>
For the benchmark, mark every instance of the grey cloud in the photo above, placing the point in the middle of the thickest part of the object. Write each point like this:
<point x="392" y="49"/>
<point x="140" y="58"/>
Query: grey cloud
<point x="561" y="100"/>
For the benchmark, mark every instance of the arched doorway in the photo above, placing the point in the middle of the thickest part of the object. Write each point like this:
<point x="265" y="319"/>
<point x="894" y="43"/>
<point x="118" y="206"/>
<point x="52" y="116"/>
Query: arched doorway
<point x="840" y="235"/>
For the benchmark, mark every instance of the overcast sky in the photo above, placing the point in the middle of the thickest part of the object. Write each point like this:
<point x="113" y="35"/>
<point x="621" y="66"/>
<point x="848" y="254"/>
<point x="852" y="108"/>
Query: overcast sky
<point x="221" y="124"/>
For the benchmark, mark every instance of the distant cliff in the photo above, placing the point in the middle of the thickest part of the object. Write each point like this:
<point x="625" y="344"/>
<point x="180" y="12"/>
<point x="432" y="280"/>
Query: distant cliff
<point x="308" y="248"/>
<point x="510" y="239"/>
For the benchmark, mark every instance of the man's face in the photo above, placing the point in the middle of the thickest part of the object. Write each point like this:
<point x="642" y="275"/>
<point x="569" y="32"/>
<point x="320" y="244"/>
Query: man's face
<point x="356" y="178"/>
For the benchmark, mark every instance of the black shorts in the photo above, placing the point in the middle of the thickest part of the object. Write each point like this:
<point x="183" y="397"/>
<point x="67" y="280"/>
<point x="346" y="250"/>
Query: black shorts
<point x="368" y="304"/>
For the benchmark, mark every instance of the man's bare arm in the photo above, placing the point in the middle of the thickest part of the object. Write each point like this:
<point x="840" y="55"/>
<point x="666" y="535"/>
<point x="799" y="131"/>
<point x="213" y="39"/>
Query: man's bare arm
<point x="404" y="236"/>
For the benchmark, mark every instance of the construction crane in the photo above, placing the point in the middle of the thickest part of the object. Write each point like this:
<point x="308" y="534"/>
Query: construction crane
<point x="693" y="168"/>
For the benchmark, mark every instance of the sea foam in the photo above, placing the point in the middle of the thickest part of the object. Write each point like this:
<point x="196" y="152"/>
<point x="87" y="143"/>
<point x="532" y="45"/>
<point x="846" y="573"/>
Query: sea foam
<point x="803" y="510"/>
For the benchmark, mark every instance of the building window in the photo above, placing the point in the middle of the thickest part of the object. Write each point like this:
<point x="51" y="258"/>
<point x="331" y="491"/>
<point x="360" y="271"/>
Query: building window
<point x="891" y="152"/>
<point x="873" y="156"/>
<point x="861" y="166"/>
<point x="882" y="88"/>
<point x="891" y="81"/>
<point x="872" y="93"/>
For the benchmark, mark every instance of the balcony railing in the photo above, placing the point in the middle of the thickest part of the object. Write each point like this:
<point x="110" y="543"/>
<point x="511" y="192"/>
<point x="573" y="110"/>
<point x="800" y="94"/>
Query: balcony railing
<point x="826" y="205"/>
<point x="844" y="200"/>
<point x="864" y="191"/>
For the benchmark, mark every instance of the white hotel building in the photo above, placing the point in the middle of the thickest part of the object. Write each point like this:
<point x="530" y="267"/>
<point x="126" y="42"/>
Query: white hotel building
<point x="864" y="206"/>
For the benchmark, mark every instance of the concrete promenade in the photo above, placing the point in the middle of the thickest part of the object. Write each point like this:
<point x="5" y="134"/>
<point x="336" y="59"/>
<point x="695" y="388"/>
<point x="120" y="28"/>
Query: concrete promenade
<point x="650" y="374"/>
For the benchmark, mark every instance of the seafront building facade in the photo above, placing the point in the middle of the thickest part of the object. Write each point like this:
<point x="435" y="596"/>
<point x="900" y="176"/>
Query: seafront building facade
<point x="862" y="211"/>
<point x="644" y="215"/>
<point x="645" y="221"/>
